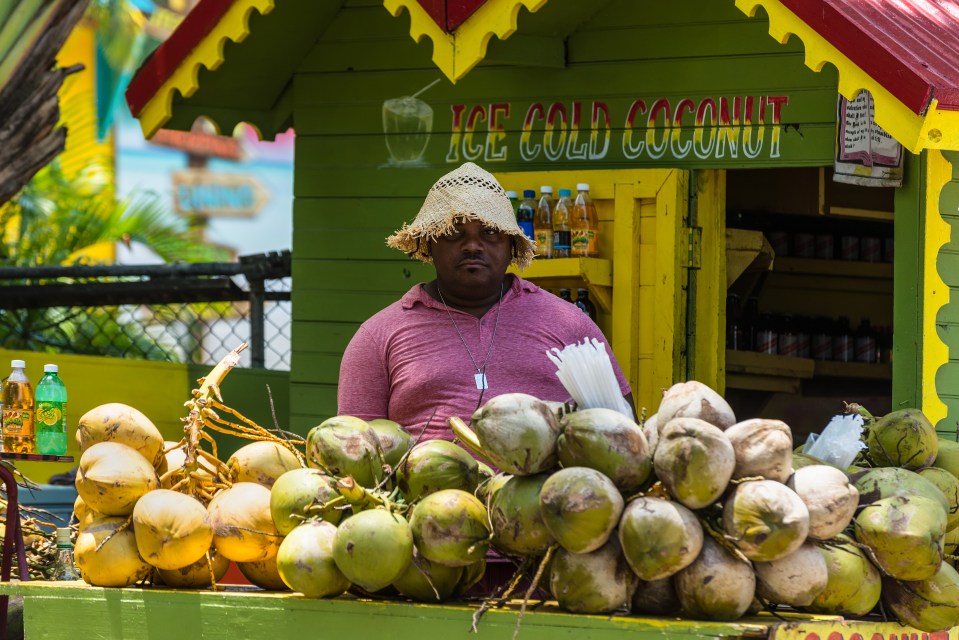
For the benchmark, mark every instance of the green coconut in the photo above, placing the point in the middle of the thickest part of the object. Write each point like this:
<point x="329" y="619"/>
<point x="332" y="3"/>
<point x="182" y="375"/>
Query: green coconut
<point x="904" y="535"/>
<point x="763" y="448"/>
<point x="853" y="583"/>
<point x="716" y="586"/>
<point x="928" y="605"/>
<point x="580" y="507"/>
<point x="694" y="400"/>
<point x="472" y="574"/>
<point x="373" y="548"/>
<point x="393" y="438"/>
<point x="886" y="482"/>
<point x="801" y="460"/>
<point x="794" y="580"/>
<point x="518" y="526"/>
<point x="305" y="561"/>
<point x="346" y="446"/>
<point x="434" y="465"/>
<point x="518" y="433"/>
<point x="426" y="581"/>
<point x="607" y="441"/>
<point x="659" y="537"/>
<point x="948" y="456"/>
<point x="596" y="582"/>
<point x="950" y="544"/>
<point x="829" y="497"/>
<point x="651" y="431"/>
<point x="487" y="489"/>
<point x="694" y="460"/>
<point x="451" y="527"/>
<point x="949" y="485"/>
<point x="296" y="490"/>
<point x="903" y="438"/>
<point x="765" y="519"/>
<point x="656" y="597"/>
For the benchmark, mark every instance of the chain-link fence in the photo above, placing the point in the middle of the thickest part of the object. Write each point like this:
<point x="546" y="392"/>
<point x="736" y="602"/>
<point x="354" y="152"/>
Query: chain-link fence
<point x="177" y="313"/>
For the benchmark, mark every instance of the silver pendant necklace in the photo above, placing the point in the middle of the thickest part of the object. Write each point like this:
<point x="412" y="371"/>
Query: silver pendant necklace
<point x="480" y="376"/>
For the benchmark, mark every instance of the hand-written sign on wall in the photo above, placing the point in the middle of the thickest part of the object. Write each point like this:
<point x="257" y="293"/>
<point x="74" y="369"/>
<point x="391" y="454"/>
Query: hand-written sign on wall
<point x="746" y="127"/>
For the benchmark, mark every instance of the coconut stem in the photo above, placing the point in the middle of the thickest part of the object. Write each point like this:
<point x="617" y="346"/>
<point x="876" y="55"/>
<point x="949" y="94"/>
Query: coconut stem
<point x="498" y="600"/>
<point x="532" y="587"/>
<point x="120" y="529"/>
<point x="467" y="437"/>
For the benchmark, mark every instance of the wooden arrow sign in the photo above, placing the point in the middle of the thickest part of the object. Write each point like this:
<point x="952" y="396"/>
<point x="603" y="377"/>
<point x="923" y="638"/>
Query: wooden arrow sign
<point x="206" y="193"/>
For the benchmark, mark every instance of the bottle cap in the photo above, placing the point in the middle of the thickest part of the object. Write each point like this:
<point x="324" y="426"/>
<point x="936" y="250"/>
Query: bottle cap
<point x="511" y="195"/>
<point x="63" y="536"/>
<point x="50" y="368"/>
<point x="546" y="189"/>
<point x="18" y="364"/>
<point x="582" y="186"/>
<point x="529" y="193"/>
<point x="582" y="292"/>
<point x="565" y="193"/>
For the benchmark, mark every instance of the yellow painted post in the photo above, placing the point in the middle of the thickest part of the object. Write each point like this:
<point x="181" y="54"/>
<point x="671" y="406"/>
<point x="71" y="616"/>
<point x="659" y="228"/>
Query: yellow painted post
<point x="710" y="295"/>
<point x="935" y="293"/>
<point x="626" y="269"/>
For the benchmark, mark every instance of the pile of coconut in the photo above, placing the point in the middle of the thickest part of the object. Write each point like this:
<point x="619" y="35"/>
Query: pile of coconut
<point x="689" y="513"/>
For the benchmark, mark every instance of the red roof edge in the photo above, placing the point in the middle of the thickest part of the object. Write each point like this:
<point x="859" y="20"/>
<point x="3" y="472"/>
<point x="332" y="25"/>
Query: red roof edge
<point x="897" y="76"/>
<point x="161" y="64"/>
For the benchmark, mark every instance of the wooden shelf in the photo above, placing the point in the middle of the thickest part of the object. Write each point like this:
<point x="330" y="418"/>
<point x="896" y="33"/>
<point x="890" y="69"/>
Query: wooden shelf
<point x="595" y="271"/>
<point x="834" y="268"/>
<point x="773" y="373"/>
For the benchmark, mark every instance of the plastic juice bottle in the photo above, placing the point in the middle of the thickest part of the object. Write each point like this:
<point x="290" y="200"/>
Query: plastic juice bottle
<point x="543" y="223"/>
<point x="18" y="434"/>
<point x="584" y="224"/>
<point x="561" y="216"/>
<point x="50" y="415"/>
<point x="526" y="212"/>
<point x="513" y="200"/>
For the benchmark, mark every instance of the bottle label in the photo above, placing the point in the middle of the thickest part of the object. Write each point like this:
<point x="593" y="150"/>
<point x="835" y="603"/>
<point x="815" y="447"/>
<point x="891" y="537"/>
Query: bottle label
<point x="583" y="242"/>
<point x="50" y="415"/>
<point x="527" y="228"/>
<point x="544" y="242"/>
<point x="17" y="422"/>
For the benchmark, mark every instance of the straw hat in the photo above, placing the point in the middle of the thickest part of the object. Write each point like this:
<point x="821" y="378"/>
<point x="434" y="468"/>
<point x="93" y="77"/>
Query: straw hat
<point x="470" y="193"/>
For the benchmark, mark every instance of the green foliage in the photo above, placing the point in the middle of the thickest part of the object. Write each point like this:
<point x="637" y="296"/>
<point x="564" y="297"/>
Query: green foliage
<point x="52" y="221"/>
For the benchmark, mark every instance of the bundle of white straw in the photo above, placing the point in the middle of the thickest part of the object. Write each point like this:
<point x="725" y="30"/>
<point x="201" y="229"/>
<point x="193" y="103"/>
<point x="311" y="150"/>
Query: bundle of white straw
<point x="586" y="372"/>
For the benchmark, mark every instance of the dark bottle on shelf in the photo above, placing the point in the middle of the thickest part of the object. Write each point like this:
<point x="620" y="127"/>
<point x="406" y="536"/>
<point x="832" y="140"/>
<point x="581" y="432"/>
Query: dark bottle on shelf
<point x="884" y="339"/>
<point x="843" y="342"/>
<point x="821" y="346"/>
<point x="788" y="339"/>
<point x="735" y="335"/>
<point x="565" y="295"/>
<point x="750" y="324"/>
<point x="584" y="303"/>
<point x="803" y="331"/>
<point x="865" y="343"/>
<point x="767" y="336"/>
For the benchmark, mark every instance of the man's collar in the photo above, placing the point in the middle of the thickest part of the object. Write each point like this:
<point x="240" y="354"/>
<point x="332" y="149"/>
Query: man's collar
<point x="419" y="295"/>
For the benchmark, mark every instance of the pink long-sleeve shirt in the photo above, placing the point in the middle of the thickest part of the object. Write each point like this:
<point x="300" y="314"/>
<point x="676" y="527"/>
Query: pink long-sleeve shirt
<point x="408" y="359"/>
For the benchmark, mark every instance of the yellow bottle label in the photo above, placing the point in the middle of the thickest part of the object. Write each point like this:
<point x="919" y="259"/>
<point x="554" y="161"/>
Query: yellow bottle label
<point x="17" y="422"/>
<point x="544" y="242"/>
<point x="584" y="242"/>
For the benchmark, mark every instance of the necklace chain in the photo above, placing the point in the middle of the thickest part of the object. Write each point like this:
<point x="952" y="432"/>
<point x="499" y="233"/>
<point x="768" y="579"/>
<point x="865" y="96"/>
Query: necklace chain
<point x="479" y="370"/>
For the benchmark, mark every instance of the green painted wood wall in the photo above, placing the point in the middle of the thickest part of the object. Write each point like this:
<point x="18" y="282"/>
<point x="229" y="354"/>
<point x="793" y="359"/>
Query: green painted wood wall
<point x="348" y="198"/>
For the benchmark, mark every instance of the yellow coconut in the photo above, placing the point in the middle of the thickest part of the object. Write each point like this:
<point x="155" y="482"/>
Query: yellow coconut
<point x="196" y="575"/>
<point x="243" y="528"/>
<point x="264" y="574"/>
<point x="172" y="529"/>
<point x="117" y="563"/>
<point x="174" y="458"/>
<point x="115" y="422"/>
<point x="113" y="476"/>
<point x="83" y="514"/>
<point x="261" y="462"/>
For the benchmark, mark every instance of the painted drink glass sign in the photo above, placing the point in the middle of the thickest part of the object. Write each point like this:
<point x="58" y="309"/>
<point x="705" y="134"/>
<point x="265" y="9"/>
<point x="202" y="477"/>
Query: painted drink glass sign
<point x="740" y="129"/>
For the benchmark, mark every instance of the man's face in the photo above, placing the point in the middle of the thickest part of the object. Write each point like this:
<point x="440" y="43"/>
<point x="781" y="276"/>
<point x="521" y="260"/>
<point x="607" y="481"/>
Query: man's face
<point x="473" y="257"/>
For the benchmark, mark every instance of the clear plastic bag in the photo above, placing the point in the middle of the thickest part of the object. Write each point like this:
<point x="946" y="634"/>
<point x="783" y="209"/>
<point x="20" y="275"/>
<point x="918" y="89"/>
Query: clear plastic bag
<point x="839" y="442"/>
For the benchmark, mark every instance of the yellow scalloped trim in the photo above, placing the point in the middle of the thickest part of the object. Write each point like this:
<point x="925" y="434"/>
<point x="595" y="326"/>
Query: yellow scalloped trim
<point x="935" y="293"/>
<point x="937" y="130"/>
<point x="234" y="25"/>
<point x="457" y="53"/>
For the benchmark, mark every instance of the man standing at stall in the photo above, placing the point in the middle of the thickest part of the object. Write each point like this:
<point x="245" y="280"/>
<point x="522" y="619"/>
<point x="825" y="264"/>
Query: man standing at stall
<point x="471" y="334"/>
